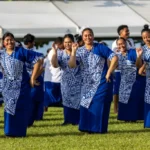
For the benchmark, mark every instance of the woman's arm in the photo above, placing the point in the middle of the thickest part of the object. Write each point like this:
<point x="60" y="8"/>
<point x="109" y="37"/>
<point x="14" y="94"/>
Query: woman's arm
<point x="112" y="67"/>
<point x="54" y="59"/>
<point x="139" y="62"/>
<point x="35" y="73"/>
<point x="40" y="71"/>
<point x="142" y="70"/>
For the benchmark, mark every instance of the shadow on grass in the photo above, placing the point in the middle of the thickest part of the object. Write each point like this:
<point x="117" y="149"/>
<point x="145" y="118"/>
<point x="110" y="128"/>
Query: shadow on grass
<point x="123" y="122"/>
<point x="51" y="119"/>
<point x="57" y="134"/>
<point x="129" y="131"/>
<point x="46" y="125"/>
<point x="83" y="133"/>
<point x="112" y="117"/>
<point x="3" y="136"/>
<point x="52" y="114"/>
<point x="52" y="110"/>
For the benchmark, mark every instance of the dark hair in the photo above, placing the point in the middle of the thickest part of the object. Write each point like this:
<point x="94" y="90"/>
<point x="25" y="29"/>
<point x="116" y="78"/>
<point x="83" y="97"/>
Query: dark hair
<point x="18" y="44"/>
<point x="89" y="29"/>
<point x="48" y="50"/>
<point x="78" y="38"/>
<point x="29" y="38"/>
<point x="121" y="27"/>
<point x="120" y="38"/>
<point x="58" y="40"/>
<point x="7" y="34"/>
<point x="104" y="43"/>
<point x="145" y="29"/>
<point x="69" y="36"/>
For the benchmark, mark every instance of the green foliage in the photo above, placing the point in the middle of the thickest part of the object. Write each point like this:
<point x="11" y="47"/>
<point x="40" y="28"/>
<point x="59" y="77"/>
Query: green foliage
<point x="49" y="135"/>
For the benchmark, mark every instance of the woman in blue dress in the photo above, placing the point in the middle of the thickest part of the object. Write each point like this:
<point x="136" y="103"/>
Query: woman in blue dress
<point x="70" y="81"/>
<point x="16" y="85"/>
<point x="97" y="85"/>
<point x="123" y="31"/>
<point x="131" y="105"/>
<point x="37" y="93"/>
<point x="143" y="58"/>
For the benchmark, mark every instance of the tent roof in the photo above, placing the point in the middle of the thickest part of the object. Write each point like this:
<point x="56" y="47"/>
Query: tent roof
<point x="47" y="19"/>
<point x="42" y="19"/>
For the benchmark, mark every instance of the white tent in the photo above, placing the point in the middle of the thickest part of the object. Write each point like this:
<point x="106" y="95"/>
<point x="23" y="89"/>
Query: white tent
<point x="42" y="19"/>
<point x="49" y="19"/>
<point x="104" y="16"/>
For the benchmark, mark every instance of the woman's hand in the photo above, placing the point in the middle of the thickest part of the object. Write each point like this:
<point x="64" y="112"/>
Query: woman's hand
<point x="74" y="47"/>
<point x="108" y="77"/>
<point x="34" y="82"/>
<point x="139" y="52"/>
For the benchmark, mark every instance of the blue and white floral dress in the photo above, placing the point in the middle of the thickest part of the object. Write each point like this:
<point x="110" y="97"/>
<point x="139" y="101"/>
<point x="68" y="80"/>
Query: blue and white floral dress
<point x="70" y="88"/>
<point x="16" y="89"/>
<point x="146" y="59"/>
<point x="37" y="96"/>
<point x="96" y="93"/>
<point x="130" y="102"/>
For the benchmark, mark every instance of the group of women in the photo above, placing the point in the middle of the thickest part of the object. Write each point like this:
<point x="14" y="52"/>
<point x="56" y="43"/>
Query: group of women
<point x="85" y="74"/>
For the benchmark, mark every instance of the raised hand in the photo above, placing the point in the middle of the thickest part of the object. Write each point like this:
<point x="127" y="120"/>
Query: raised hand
<point x="54" y="46"/>
<point x="75" y="47"/>
<point x="139" y="52"/>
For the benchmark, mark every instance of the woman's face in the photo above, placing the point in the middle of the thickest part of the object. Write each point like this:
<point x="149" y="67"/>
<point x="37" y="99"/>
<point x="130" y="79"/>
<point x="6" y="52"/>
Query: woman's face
<point x="68" y="43"/>
<point x="125" y="33"/>
<point x="9" y="42"/>
<point x="121" y="44"/>
<point x="146" y="38"/>
<point x="87" y="37"/>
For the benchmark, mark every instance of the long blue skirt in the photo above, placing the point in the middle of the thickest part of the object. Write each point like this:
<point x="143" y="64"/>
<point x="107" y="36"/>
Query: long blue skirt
<point x="147" y="115"/>
<point x="52" y="93"/>
<point x="16" y="126"/>
<point x="37" y="106"/>
<point x="95" y="119"/>
<point x="134" y="109"/>
<point x="116" y="82"/>
<point x="71" y="115"/>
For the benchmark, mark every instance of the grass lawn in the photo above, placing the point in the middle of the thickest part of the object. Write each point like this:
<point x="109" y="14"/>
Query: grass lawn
<point x="49" y="135"/>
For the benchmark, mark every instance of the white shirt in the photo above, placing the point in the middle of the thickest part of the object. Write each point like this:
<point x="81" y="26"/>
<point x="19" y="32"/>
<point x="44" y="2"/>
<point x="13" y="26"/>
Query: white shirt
<point x="51" y="74"/>
<point x="129" y="42"/>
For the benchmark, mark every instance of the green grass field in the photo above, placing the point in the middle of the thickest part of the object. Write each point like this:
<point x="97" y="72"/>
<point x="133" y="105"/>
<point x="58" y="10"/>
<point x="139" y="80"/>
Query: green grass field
<point x="49" y="135"/>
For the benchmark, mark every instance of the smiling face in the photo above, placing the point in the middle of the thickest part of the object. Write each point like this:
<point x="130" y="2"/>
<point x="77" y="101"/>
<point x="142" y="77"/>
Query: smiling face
<point x="121" y="44"/>
<point x="88" y="37"/>
<point x="68" y="43"/>
<point x="125" y="33"/>
<point x="9" y="42"/>
<point x="146" y="38"/>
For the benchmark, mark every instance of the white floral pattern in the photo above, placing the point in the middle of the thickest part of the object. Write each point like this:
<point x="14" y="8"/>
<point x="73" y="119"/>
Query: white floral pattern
<point x="93" y="66"/>
<point x="70" y="82"/>
<point x="146" y="58"/>
<point x="11" y="81"/>
<point x="128" y="78"/>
